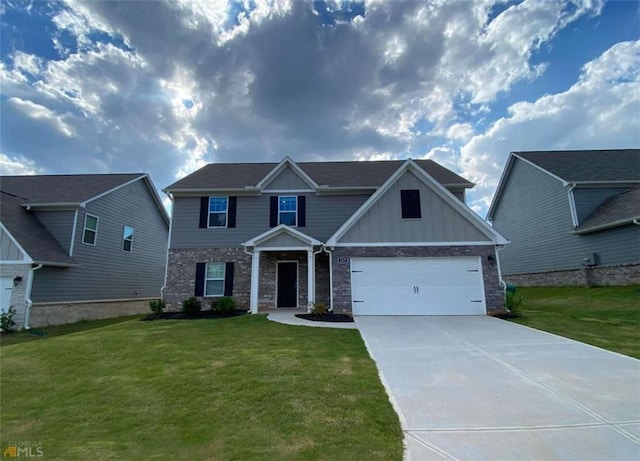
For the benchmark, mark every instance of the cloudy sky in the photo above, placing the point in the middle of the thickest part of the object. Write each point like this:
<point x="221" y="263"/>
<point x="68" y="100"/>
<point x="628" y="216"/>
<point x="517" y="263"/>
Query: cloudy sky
<point x="165" y="87"/>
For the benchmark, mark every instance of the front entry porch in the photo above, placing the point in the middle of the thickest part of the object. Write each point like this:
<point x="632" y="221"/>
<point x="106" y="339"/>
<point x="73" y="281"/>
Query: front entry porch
<point x="288" y="271"/>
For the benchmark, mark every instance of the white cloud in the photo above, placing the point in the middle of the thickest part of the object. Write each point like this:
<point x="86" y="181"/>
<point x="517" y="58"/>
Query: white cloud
<point x="38" y="112"/>
<point x="600" y="111"/>
<point x="17" y="166"/>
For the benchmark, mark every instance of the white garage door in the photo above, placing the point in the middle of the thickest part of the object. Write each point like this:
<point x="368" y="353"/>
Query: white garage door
<point x="417" y="286"/>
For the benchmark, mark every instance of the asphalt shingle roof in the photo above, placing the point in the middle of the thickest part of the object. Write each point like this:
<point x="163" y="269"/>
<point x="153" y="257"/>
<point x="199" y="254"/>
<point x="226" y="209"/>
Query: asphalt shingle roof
<point x="30" y="233"/>
<point x="62" y="188"/>
<point x="588" y="165"/>
<point x="334" y="174"/>
<point x="624" y="207"/>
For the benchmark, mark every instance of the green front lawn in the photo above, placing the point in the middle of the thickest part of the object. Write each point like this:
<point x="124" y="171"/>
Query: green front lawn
<point x="242" y="388"/>
<point x="607" y="317"/>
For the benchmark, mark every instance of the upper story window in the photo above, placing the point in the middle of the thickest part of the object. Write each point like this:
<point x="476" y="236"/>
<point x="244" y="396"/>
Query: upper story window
<point x="90" y="232"/>
<point x="127" y="239"/>
<point x="214" y="279"/>
<point x="218" y="210"/>
<point x="410" y="201"/>
<point x="288" y="210"/>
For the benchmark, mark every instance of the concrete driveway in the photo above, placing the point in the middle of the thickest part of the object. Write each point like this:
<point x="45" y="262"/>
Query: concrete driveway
<point x="480" y="388"/>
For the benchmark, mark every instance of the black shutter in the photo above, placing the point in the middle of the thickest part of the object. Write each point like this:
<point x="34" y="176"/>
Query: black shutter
<point x="232" y="211"/>
<point x="204" y="212"/>
<point x="410" y="202"/>
<point x="302" y="211"/>
<point x="273" y="218"/>
<point x="200" y="270"/>
<point x="228" y="279"/>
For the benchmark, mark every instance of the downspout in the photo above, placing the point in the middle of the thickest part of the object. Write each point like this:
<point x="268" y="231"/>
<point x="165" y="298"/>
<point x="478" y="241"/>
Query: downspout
<point x="166" y="262"/>
<point x="326" y="250"/>
<point x="29" y="302"/>
<point x="572" y="204"/>
<point x="503" y="284"/>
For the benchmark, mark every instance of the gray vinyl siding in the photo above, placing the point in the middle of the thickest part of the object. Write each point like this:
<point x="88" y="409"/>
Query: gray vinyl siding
<point x="588" y="199"/>
<point x="282" y="240"/>
<point x="105" y="271"/>
<point x="534" y="214"/>
<point x="287" y="180"/>
<point x="440" y="222"/>
<point x="324" y="215"/>
<point x="59" y="223"/>
<point x="8" y="250"/>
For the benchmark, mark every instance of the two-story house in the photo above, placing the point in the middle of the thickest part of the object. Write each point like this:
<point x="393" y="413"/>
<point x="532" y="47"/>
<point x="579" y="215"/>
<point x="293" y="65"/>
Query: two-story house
<point x="573" y="217"/>
<point x="380" y="237"/>
<point x="75" y="247"/>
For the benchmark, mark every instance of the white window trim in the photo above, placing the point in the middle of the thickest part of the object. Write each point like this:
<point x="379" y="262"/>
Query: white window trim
<point x="296" y="210"/>
<point x="224" y="279"/>
<point x="133" y="229"/>
<point x="84" y="229"/>
<point x="226" y="212"/>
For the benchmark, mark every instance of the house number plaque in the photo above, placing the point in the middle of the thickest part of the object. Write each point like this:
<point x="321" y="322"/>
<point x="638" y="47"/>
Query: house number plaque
<point x="343" y="260"/>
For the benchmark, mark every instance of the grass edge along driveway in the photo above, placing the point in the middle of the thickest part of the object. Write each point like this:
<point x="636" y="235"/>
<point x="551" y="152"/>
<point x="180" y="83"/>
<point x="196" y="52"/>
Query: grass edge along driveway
<point x="229" y="389"/>
<point x="606" y="317"/>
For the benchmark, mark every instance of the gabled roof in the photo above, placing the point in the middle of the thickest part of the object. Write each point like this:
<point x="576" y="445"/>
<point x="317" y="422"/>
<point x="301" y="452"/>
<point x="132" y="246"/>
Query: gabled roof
<point x="282" y="229"/>
<point x="29" y="232"/>
<point x="616" y="211"/>
<point x="368" y="174"/>
<point x="438" y="188"/>
<point x="286" y="163"/>
<point x="588" y="166"/>
<point x="580" y="167"/>
<point x="67" y="189"/>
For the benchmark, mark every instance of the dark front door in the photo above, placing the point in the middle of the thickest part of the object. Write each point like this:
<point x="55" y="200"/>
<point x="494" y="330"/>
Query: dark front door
<point x="287" y="284"/>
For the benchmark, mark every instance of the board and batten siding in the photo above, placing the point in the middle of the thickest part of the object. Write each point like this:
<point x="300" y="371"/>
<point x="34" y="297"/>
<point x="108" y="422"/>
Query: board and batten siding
<point x="588" y="199"/>
<point x="287" y="179"/>
<point x="59" y="223"/>
<point x="534" y="214"/>
<point x="439" y="222"/>
<point x="105" y="271"/>
<point x="9" y="250"/>
<point x="324" y="215"/>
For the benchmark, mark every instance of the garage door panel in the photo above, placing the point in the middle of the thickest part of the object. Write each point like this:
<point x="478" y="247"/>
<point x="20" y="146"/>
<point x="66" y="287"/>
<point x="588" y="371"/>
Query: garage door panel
<point x="417" y="286"/>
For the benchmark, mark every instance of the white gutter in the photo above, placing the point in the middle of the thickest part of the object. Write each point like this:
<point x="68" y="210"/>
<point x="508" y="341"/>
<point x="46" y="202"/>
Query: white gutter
<point x="572" y="204"/>
<point x="29" y="302"/>
<point x="636" y="222"/>
<point x="326" y="250"/>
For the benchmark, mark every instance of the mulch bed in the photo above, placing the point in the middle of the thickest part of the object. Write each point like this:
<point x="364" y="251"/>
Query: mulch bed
<point x="328" y="317"/>
<point x="506" y="316"/>
<point x="208" y="314"/>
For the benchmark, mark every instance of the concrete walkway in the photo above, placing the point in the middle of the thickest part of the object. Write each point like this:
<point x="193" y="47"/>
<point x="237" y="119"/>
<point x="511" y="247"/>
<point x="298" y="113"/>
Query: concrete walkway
<point x="480" y="388"/>
<point x="289" y="318"/>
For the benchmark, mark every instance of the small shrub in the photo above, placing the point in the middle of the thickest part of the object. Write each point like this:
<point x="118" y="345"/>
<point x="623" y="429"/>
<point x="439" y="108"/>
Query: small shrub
<point x="191" y="306"/>
<point x="319" y="309"/>
<point x="6" y="320"/>
<point x="224" y="305"/>
<point x="157" y="306"/>
<point x="512" y="302"/>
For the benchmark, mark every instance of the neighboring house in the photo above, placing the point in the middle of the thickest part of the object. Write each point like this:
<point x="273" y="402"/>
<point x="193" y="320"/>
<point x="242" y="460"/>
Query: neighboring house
<point x="80" y="246"/>
<point x="571" y="216"/>
<point x="384" y="237"/>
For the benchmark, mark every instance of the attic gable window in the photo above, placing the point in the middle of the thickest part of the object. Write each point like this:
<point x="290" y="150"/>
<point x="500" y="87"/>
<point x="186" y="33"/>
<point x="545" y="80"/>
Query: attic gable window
<point x="410" y="201"/>
<point x="90" y="229"/>
<point x="288" y="210"/>
<point x="218" y="209"/>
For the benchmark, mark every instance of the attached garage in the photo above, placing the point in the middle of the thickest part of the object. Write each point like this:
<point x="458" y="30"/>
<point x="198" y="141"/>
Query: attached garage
<point x="417" y="286"/>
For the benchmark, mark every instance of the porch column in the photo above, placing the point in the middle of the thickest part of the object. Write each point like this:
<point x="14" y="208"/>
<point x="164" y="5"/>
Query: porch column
<point x="255" y="280"/>
<point x="311" y="278"/>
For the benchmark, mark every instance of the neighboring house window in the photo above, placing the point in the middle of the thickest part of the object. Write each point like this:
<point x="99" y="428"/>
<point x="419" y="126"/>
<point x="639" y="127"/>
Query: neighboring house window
<point x="90" y="229"/>
<point x="214" y="279"/>
<point x="127" y="238"/>
<point x="288" y="210"/>
<point x="410" y="201"/>
<point x="218" y="209"/>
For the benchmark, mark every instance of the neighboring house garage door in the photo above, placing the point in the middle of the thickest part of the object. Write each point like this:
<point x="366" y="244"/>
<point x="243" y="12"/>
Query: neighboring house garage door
<point x="417" y="286"/>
